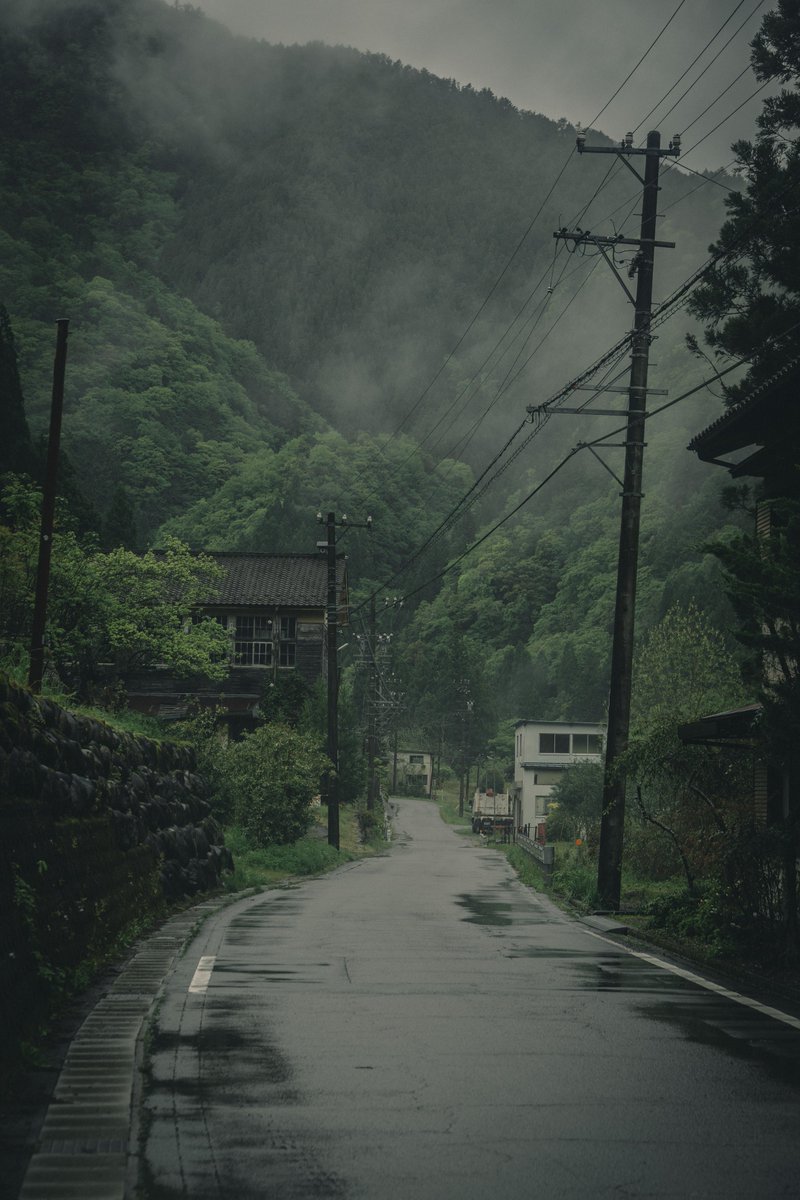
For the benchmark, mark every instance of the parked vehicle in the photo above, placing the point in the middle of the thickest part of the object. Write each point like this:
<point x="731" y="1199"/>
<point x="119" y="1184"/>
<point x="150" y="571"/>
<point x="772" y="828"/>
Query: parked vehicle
<point x="491" y="812"/>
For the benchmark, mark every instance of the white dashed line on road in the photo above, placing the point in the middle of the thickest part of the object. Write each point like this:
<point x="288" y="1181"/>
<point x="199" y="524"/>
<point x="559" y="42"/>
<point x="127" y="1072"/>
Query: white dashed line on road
<point x="199" y="984"/>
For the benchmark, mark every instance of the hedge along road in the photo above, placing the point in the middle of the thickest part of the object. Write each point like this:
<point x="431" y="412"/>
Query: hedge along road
<point x="422" y="1025"/>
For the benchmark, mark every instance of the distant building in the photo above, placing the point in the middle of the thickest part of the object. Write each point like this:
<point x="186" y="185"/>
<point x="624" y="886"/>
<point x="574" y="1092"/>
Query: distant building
<point x="274" y="608"/>
<point x="543" y="751"/>
<point x="411" y="772"/>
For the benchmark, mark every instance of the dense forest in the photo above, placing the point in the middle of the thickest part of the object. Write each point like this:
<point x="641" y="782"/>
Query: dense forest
<point x="269" y="256"/>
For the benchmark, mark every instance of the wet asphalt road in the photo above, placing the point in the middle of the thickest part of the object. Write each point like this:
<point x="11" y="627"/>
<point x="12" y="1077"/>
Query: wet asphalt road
<point x="422" y="1026"/>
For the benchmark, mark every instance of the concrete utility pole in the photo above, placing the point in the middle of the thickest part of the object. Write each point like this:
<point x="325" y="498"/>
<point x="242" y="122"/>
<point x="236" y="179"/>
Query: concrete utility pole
<point x="609" y="873"/>
<point x="36" y="663"/>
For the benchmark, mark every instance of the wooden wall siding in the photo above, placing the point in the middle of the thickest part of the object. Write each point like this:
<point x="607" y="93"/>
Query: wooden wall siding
<point x="760" y="792"/>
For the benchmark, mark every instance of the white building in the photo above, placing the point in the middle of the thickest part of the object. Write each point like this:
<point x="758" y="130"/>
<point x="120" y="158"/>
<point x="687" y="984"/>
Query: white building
<point x="543" y="751"/>
<point x="412" y="771"/>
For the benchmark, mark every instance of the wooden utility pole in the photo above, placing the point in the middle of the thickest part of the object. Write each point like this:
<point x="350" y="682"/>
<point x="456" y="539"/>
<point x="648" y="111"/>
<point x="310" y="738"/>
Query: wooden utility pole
<point x="372" y="702"/>
<point x="36" y="663"/>
<point x="332" y="633"/>
<point x="609" y="871"/>
<point x="330" y="782"/>
<point x="394" y="762"/>
<point x="612" y="822"/>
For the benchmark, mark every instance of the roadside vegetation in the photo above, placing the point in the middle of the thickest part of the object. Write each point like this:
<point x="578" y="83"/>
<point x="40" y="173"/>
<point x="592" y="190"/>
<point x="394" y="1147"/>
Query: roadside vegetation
<point x="446" y="796"/>
<point x="178" y="435"/>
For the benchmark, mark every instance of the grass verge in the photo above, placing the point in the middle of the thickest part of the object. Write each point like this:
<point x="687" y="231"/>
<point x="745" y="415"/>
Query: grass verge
<point x="258" y="868"/>
<point x="447" y="799"/>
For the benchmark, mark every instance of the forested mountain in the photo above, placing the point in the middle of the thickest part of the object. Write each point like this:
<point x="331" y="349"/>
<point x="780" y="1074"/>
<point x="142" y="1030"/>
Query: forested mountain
<point x="268" y="255"/>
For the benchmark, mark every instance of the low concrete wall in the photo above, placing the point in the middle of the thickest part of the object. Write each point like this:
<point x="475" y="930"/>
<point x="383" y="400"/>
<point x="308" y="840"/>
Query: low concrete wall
<point x="544" y="856"/>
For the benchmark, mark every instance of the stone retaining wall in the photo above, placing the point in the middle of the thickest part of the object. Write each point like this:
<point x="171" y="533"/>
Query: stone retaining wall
<point x="97" y="830"/>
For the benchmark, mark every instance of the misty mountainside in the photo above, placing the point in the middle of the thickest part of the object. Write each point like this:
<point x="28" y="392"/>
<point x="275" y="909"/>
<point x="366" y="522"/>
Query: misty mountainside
<point x="349" y="215"/>
<point x="268" y="254"/>
<point x="159" y="399"/>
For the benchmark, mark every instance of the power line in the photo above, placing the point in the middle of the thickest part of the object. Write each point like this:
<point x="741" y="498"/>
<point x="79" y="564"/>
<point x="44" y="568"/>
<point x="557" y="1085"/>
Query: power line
<point x="708" y="65"/>
<point x="610" y="356"/>
<point x="705" y="178"/>
<point x="526" y="233"/>
<point x="661" y="314"/>
<point x="485" y="300"/>
<point x="732" y="113"/>
<point x="598" y="442"/>
<point x="460" y="445"/>
<point x="632" y="72"/>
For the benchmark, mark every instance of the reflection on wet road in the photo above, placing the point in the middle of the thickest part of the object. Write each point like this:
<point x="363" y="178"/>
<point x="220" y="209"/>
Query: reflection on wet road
<point x="421" y="1025"/>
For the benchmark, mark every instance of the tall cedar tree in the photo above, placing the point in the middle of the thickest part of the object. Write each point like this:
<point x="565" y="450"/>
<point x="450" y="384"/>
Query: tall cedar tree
<point x="16" y="449"/>
<point x="752" y="295"/>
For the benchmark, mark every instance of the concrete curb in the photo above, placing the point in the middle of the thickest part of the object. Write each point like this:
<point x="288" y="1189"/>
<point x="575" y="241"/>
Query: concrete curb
<point x="604" y="924"/>
<point x="88" y="1137"/>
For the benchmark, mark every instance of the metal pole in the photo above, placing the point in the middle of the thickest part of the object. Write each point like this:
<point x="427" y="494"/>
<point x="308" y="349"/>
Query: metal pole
<point x="36" y="665"/>
<point x="609" y="873"/>
<point x="332" y="782"/>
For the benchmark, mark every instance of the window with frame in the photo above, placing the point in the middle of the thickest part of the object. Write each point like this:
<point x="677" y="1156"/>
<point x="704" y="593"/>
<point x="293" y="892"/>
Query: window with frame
<point x="554" y="743"/>
<point x="287" y="641"/>
<point x="252" y="642"/>
<point x="585" y="743"/>
<point x="419" y="759"/>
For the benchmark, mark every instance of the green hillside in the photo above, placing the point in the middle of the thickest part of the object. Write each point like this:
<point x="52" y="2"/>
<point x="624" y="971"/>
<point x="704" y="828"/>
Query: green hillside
<point x="267" y="253"/>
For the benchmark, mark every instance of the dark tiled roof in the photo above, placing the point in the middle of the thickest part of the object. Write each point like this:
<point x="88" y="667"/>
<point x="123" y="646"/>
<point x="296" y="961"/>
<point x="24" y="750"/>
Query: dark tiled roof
<point x="737" y="427"/>
<point x="736" y="725"/>
<point x="291" y="580"/>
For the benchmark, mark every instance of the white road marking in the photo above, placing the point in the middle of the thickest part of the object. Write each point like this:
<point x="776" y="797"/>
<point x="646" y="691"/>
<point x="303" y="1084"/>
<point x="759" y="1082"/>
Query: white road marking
<point x="199" y="984"/>
<point x="708" y="984"/>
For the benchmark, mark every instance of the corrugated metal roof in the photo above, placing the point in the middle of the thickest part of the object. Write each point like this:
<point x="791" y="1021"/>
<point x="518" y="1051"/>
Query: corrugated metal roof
<point x="290" y="580"/>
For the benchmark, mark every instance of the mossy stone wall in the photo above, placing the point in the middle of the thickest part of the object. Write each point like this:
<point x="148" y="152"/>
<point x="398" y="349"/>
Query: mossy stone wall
<point x="98" y="829"/>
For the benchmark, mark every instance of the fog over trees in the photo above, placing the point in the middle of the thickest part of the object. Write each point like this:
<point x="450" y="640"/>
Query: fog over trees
<point x="270" y="256"/>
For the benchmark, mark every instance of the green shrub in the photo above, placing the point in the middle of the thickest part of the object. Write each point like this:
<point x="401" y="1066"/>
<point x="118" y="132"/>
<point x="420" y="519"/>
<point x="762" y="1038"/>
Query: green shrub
<point x="691" y="917"/>
<point x="268" y="780"/>
<point x="575" y="876"/>
<point x="370" y="824"/>
<point x="257" y="866"/>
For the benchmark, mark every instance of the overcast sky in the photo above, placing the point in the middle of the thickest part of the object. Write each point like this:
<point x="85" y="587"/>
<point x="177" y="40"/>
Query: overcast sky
<point x="563" y="58"/>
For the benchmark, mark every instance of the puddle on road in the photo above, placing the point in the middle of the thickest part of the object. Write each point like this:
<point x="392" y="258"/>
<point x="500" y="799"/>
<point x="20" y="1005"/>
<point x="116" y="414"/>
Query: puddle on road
<point x="206" y="1041"/>
<point x="626" y="974"/>
<point x="500" y="913"/>
<point x="238" y="969"/>
<point x="228" y="1045"/>
<point x="548" y="952"/>
<point x="739" y="1032"/>
<point x="485" y="912"/>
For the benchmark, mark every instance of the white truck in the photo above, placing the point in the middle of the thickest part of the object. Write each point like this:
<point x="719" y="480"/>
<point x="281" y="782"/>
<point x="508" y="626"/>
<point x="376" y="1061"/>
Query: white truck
<point x="491" y="812"/>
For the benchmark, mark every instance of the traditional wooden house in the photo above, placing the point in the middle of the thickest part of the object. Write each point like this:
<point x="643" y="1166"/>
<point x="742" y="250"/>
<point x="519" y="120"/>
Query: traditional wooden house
<point x="274" y="608"/>
<point x="757" y="438"/>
